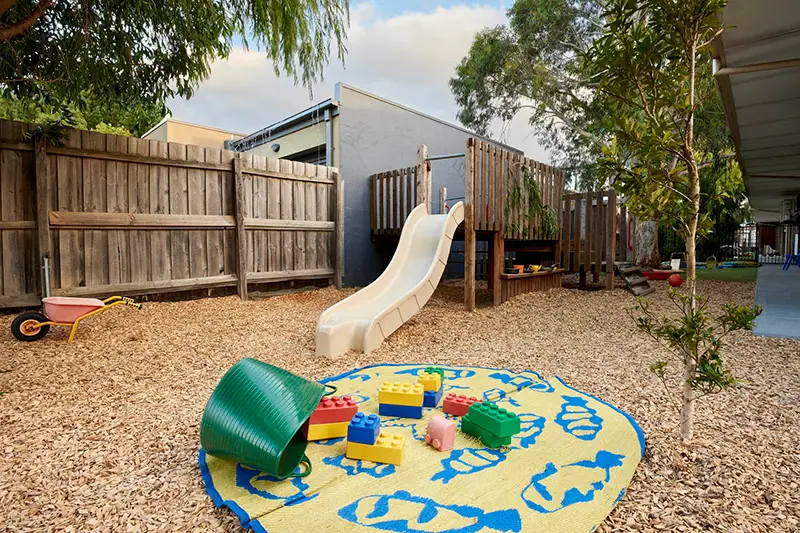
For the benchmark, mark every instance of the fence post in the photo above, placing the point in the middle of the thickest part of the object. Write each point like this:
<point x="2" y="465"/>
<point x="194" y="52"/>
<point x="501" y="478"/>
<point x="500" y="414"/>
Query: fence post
<point x="611" y="238"/>
<point x="241" y="242"/>
<point x="469" y="227"/>
<point x="423" y="177"/>
<point x="443" y="201"/>
<point x="42" y="170"/>
<point x="339" y="229"/>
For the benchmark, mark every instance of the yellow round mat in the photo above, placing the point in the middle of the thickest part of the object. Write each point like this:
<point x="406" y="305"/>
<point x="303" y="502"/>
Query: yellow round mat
<point x="564" y="472"/>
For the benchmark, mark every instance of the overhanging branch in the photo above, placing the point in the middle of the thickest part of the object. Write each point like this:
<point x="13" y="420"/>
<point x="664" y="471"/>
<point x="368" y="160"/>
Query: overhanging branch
<point x="17" y="28"/>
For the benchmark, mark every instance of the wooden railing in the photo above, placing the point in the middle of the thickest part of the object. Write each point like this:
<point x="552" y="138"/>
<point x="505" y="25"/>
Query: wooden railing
<point x="136" y="216"/>
<point x="392" y="196"/>
<point x="502" y="183"/>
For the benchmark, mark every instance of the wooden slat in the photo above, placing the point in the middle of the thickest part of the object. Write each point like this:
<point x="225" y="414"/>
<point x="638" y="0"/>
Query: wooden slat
<point x="118" y="190"/>
<point x="241" y="240"/>
<point x="160" y="263"/>
<point x="601" y="231"/>
<point x="299" y="213"/>
<point x="381" y="203"/>
<point x="74" y="219"/>
<point x="285" y="225"/>
<point x="11" y="195"/>
<point x="260" y="251"/>
<point x="590" y="245"/>
<point x="339" y="234"/>
<point x="311" y="216"/>
<point x="247" y="187"/>
<point x="287" y="238"/>
<point x="70" y="197"/>
<point x="140" y="194"/>
<point x="150" y="287"/>
<point x="283" y="175"/>
<point x="410" y="194"/>
<point x="273" y="213"/>
<point x="178" y="205"/>
<point x="215" y="239"/>
<point x="398" y="222"/>
<point x="17" y="224"/>
<point x="94" y="199"/>
<point x="623" y="233"/>
<point x="324" y="215"/>
<point x="559" y="215"/>
<point x="568" y="242"/>
<point x="287" y="275"/>
<point x="372" y="207"/>
<point x="469" y="228"/>
<point x="611" y="233"/>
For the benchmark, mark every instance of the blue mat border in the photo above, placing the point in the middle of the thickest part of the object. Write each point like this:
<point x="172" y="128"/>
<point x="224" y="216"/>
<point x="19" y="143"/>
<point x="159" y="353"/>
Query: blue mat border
<point x="248" y="522"/>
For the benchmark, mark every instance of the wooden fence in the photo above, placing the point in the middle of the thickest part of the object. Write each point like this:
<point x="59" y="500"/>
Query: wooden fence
<point x="126" y="215"/>
<point x="596" y="233"/>
<point x="499" y="177"/>
<point x="392" y="196"/>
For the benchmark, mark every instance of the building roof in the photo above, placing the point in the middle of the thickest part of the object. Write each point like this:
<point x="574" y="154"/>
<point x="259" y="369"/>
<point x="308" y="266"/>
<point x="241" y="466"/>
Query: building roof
<point x="757" y="68"/>
<point x="316" y="114"/>
<point x="169" y="119"/>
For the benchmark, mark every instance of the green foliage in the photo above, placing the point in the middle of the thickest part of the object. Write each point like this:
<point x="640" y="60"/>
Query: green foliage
<point x="533" y="65"/>
<point x="695" y="337"/>
<point x="526" y="198"/>
<point x="86" y="112"/>
<point x="147" y="51"/>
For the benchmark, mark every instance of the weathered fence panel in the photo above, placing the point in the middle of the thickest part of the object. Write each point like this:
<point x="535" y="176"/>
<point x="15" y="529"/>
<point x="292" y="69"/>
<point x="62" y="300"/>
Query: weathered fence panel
<point x="392" y="195"/>
<point x="135" y="216"/>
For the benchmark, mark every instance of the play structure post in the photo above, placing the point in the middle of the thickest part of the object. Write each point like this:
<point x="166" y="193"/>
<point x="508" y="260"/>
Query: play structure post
<point x="443" y="201"/>
<point x="339" y="225"/>
<point x="423" y="177"/>
<point x="469" y="227"/>
<point x="496" y="259"/>
<point x="241" y="242"/>
<point x="611" y="238"/>
<point x="42" y="170"/>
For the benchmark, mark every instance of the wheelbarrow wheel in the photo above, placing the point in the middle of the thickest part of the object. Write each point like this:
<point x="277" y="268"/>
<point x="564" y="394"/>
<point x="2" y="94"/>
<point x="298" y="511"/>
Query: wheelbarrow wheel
<point x="26" y="326"/>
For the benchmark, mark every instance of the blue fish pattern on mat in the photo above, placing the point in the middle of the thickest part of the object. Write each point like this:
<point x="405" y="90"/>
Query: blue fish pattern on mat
<point x="524" y="380"/>
<point x="395" y="422"/>
<point x="448" y="387"/>
<point x="449" y="373"/>
<point x="537" y="496"/>
<point x="247" y="477"/>
<point x="382" y="512"/>
<point x="466" y="461"/>
<point x="578" y="419"/>
<point x="531" y="426"/>
<point x="499" y="396"/>
<point x="362" y="377"/>
<point x="354" y="468"/>
<point x="357" y="397"/>
<point x="328" y="442"/>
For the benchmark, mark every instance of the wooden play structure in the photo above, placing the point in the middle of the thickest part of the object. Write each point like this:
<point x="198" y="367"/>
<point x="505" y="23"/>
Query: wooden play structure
<point x="499" y="188"/>
<point x="598" y="234"/>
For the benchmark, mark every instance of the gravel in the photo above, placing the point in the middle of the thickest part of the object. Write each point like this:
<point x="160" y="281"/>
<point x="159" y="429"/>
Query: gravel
<point x="102" y="434"/>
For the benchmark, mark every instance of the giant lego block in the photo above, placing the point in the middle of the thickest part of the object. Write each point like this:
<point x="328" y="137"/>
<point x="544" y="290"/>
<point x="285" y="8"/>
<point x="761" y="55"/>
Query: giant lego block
<point x="364" y="429"/>
<point x="488" y="438"/>
<point x="333" y="430"/>
<point x="387" y="449"/>
<point x="334" y="409"/>
<point x="458" y="404"/>
<point x="400" y="393"/>
<point x="403" y="411"/>
<point x="434" y="370"/>
<point x="430" y="381"/>
<point x="494" y="419"/>
<point x="431" y="398"/>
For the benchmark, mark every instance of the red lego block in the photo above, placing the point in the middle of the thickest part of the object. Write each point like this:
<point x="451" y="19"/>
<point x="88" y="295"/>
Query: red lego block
<point x="458" y="404"/>
<point x="334" y="409"/>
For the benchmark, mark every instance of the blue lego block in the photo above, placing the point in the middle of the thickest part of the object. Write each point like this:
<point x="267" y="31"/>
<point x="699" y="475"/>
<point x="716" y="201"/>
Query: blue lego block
<point x="403" y="411"/>
<point x="431" y="398"/>
<point x="364" y="429"/>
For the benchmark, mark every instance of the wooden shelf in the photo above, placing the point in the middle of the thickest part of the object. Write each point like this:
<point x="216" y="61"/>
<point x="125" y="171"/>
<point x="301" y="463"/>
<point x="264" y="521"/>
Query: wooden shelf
<point x="532" y="274"/>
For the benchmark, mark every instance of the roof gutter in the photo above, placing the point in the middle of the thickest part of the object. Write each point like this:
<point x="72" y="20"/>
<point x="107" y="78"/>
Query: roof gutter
<point x="321" y="112"/>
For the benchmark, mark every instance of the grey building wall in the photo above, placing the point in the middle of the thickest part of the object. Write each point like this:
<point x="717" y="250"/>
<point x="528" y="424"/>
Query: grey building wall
<point x="378" y="135"/>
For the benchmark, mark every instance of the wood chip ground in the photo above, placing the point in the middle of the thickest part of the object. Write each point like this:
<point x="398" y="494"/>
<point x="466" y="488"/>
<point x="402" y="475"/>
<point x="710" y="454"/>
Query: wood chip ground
<point x="102" y="434"/>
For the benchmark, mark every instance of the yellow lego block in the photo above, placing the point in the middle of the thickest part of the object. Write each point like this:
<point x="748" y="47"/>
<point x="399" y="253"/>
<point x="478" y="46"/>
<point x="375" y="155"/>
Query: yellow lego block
<point x="325" y="431"/>
<point x="401" y="393"/>
<point x="387" y="449"/>
<point x="430" y="382"/>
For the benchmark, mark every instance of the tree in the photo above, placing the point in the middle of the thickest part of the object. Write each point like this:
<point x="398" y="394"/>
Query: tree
<point x="87" y="113"/>
<point x="533" y="65"/>
<point x="141" y="51"/>
<point x="650" y="65"/>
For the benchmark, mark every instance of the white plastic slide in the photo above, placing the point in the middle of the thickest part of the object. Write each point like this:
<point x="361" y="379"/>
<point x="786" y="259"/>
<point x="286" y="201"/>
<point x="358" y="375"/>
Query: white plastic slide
<point x="363" y="320"/>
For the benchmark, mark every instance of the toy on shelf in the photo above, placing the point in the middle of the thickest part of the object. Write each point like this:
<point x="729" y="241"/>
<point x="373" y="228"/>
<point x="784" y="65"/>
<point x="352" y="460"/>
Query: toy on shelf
<point x="458" y="404"/>
<point x="364" y="429"/>
<point x="441" y="433"/>
<point x="62" y="311"/>
<point x="400" y="399"/>
<point x="388" y="448"/>
<point x="493" y="425"/>
<point x="331" y="418"/>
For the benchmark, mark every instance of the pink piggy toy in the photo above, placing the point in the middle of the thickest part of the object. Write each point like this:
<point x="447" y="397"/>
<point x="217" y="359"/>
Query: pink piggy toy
<point x="441" y="433"/>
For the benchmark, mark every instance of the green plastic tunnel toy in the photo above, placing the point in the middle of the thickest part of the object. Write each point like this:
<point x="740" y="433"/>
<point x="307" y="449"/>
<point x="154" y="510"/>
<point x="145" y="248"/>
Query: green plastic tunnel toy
<point x="254" y="417"/>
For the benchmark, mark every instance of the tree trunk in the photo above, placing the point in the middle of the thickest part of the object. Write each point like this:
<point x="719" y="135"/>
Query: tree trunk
<point x="647" y="244"/>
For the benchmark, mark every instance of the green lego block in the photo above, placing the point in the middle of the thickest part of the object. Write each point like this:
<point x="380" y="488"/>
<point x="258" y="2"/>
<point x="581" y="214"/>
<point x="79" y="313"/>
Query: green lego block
<point x="487" y="438"/>
<point x="435" y="370"/>
<point x="494" y="419"/>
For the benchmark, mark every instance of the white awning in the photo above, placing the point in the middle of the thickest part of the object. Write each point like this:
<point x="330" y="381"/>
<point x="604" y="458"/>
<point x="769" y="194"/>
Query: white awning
<point x="758" y="73"/>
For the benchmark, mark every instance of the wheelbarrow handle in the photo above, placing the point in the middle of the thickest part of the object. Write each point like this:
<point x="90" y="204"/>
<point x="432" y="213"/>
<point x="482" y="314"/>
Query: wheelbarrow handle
<point x="131" y="303"/>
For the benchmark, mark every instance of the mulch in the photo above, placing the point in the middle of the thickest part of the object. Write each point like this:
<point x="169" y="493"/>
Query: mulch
<point x="102" y="434"/>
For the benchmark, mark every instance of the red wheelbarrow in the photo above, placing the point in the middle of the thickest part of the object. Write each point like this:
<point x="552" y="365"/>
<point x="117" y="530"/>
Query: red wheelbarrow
<point x="62" y="311"/>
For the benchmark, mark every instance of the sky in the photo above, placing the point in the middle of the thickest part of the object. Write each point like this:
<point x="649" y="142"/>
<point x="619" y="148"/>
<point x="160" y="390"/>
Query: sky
<point x="402" y="50"/>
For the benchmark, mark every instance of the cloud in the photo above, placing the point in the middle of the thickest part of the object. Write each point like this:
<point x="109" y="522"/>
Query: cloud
<point x="408" y="58"/>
